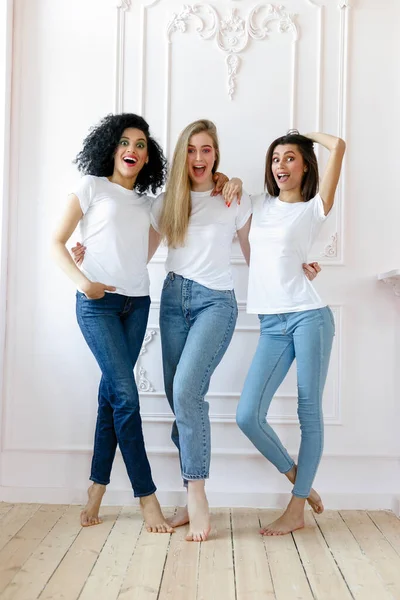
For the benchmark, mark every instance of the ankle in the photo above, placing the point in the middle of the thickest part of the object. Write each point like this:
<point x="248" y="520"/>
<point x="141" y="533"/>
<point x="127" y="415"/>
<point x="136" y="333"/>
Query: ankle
<point x="98" y="488"/>
<point x="296" y="506"/>
<point x="196" y="486"/>
<point x="291" y="475"/>
<point x="144" y="500"/>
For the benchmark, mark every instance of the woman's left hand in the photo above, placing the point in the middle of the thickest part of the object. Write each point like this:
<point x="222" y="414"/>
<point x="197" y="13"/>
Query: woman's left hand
<point x="311" y="270"/>
<point x="220" y="179"/>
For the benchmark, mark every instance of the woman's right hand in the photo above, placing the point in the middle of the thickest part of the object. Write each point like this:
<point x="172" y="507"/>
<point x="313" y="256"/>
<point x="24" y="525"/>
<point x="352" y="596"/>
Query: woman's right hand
<point x="95" y="290"/>
<point x="78" y="253"/>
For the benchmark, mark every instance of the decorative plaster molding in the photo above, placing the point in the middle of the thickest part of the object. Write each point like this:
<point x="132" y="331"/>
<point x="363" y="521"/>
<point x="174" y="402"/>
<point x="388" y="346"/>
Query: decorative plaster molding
<point x="147" y="339"/>
<point x="393" y="279"/>
<point x="330" y="250"/>
<point x="232" y="32"/>
<point x="143" y="383"/>
<point x="122" y="6"/>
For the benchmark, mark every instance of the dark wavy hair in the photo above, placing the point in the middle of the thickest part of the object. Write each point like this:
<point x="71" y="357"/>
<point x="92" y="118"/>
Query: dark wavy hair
<point x="97" y="154"/>
<point x="310" y="181"/>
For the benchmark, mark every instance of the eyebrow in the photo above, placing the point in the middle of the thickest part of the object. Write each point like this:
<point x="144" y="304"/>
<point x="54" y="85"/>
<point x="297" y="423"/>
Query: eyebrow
<point x="123" y="137"/>
<point x="203" y="146"/>
<point x="287" y="152"/>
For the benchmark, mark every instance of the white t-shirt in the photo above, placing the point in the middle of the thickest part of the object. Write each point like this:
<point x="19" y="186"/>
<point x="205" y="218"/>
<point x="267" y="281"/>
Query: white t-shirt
<point x="115" y="230"/>
<point x="281" y="236"/>
<point x="205" y="257"/>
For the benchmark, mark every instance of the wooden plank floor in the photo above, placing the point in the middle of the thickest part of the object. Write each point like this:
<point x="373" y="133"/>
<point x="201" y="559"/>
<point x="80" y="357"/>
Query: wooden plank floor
<point x="46" y="555"/>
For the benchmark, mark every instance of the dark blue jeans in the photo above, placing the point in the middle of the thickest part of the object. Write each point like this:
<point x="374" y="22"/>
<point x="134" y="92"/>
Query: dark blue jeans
<point x="114" y="328"/>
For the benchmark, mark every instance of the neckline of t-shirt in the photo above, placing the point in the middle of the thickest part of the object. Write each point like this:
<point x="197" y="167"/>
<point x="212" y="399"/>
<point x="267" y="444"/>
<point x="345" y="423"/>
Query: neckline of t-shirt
<point x="282" y="203"/>
<point x="201" y="194"/>
<point x="122" y="188"/>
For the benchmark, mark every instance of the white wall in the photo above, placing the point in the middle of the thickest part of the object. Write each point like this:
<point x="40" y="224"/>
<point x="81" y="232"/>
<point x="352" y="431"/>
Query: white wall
<point x="331" y="67"/>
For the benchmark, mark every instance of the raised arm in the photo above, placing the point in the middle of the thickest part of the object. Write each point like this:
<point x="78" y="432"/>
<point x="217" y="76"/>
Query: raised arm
<point x="329" y="180"/>
<point x="70" y="219"/>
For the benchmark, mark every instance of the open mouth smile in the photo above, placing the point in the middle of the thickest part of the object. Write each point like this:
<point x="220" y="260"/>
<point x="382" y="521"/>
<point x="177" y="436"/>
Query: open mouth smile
<point x="130" y="160"/>
<point x="282" y="177"/>
<point x="199" y="170"/>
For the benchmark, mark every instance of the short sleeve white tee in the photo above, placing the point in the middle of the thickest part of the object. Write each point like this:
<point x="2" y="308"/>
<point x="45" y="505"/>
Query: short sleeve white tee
<point x="205" y="257"/>
<point x="115" y="230"/>
<point x="281" y="236"/>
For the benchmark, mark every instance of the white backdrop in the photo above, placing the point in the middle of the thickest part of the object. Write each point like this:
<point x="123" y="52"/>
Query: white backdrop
<point x="256" y="69"/>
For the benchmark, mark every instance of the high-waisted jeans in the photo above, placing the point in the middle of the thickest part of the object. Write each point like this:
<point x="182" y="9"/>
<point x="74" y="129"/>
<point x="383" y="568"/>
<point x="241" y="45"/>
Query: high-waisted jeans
<point x="114" y="327"/>
<point x="306" y="336"/>
<point x="197" y="324"/>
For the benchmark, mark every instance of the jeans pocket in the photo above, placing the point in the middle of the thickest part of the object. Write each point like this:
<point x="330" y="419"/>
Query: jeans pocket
<point x="166" y="283"/>
<point x="84" y="298"/>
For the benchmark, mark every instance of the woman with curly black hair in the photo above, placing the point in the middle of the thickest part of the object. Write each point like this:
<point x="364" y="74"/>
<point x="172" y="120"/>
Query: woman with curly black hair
<point x="120" y="162"/>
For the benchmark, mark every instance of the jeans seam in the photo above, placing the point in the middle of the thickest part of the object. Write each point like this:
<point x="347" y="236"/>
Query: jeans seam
<point x="88" y="334"/>
<point x="319" y="413"/>
<point x="265" y="431"/>
<point x="205" y="378"/>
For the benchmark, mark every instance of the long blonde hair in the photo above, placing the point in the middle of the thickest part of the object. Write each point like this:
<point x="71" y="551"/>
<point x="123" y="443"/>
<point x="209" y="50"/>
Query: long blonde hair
<point x="177" y="206"/>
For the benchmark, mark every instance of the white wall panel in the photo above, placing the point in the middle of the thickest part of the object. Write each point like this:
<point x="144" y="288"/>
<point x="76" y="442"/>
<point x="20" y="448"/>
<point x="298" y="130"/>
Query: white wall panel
<point x="310" y="64"/>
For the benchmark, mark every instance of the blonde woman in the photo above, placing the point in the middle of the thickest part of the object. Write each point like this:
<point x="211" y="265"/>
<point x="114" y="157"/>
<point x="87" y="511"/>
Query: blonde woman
<point x="198" y="306"/>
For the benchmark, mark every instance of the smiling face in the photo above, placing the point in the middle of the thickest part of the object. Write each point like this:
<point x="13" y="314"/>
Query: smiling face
<point x="200" y="160"/>
<point x="288" y="167"/>
<point x="130" y="156"/>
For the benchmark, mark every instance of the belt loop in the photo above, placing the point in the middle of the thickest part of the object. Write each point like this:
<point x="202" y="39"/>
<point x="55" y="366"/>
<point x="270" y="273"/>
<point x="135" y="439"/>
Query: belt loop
<point x="171" y="275"/>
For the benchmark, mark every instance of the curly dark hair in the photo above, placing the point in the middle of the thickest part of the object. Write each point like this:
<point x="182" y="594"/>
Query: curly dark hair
<point x="309" y="184"/>
<point x="97" y="155"/>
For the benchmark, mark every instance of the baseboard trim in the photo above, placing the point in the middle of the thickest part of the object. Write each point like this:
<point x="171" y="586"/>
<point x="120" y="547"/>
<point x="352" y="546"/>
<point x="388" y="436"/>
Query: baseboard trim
<point x="334" y="501"/>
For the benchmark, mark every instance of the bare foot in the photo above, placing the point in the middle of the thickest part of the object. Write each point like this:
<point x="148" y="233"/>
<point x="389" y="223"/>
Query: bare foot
<point x="180" y="518"/>
<point x="285" y="524"/>
<point x="153" y="518"/>
<point x="314" y="499"/>
<point x="292" y="519"/>
<point x="199" y="514"/>
<point x="90" y="514"/>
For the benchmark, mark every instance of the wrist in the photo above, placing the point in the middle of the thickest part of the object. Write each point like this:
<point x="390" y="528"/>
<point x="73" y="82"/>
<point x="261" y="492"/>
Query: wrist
<point x="85" y="285"/>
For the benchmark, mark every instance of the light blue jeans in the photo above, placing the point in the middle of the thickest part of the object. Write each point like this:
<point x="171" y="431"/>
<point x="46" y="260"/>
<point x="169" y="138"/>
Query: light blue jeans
<point x="196" y="325"/>
<point x="307" y="337"/>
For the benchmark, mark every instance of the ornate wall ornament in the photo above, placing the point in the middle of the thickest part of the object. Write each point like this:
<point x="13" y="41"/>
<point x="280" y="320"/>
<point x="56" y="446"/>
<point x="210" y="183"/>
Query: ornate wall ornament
<point x="143" y="383"/>
<point x="124" y="4"/>
<point x="392" y="278"/>
<point x="147" y="339"/>
<point x="232" y="33"/>
<point x="330" y="250"/>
